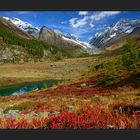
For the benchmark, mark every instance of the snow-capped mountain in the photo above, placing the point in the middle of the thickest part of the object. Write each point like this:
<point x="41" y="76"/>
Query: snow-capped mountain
<point x="122" y="28"/>
<point x="25" y="26"/>
<point x="89" y="48"/>
<point x="30" y="29"/>
<point x="76" y="40"/>
<point x="69" y="37"/>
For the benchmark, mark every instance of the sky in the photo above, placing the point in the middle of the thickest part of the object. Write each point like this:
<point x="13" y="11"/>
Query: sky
<point x="83" y="24"/>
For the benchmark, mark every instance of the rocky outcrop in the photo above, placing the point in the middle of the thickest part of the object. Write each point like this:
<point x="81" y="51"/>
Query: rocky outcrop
<point x="55" y="39"/>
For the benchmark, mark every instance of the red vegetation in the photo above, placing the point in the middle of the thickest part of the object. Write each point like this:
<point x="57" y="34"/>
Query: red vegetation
<point x="92" y="118"/>
<point x="76" y="89"/>
<point x="86" y="118"/>
<point x="12" y="123"/>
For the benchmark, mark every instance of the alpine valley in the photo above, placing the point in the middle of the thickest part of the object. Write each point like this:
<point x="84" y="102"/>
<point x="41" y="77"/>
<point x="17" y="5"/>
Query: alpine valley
<point x="50" y="79"/>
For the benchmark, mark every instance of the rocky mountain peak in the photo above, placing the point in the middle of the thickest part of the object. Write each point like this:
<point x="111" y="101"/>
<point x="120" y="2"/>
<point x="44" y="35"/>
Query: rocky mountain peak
<point x="25" y="26"/>
<point x="121" y="28"/>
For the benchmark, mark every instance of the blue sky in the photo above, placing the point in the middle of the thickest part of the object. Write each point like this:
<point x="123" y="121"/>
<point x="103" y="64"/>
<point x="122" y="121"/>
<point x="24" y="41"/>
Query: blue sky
<point x="83" y="24"/>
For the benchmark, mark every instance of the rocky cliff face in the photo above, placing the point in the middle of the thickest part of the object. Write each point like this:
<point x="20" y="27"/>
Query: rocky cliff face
<point x="49" y="36"/>
<point x="53" y="38"/>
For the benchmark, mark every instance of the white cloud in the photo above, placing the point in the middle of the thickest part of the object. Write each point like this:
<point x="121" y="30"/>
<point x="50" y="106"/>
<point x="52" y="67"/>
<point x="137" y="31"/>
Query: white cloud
<point x="104" y="14"/>
<point x="80" y="31"/>
<point x="83" y="13"/>
<point x="100" y="27"/>
<point x="23" y="12"/>
<point x="89" y="18"/>
<point x="72" y="21"/>
<point x="63" y="22"/>
<point x="91" y="25"/>
<point x="76" y="23"/>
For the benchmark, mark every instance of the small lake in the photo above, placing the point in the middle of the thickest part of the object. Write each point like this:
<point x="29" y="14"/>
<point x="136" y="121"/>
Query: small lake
<point x="27" y="87"/>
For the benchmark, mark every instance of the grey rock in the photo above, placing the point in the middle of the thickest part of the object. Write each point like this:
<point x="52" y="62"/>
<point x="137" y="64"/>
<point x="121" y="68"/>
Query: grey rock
<point x="6" y="53"/>
<point x="96" y="95"/>
<point x="124" y="88"/>
<point x="83" y="85"/>
<point x="12" y="114"/>
<point x="70" y="107"/>
<point x="55" y="113"/>
<point x="44" y="114"/>
<point x="31" y="114"/>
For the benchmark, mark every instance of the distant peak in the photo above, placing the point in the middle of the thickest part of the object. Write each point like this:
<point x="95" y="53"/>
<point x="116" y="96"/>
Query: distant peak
<point x="23" y="25"/>
<point x="121" y="27"/>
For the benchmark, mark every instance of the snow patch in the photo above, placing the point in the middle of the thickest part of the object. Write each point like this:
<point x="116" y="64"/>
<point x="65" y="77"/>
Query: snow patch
<point x="113" y="35"/>
<point x="81" y="43"/>
<point x="129" y="31"/>
<point x="25" y="26"/>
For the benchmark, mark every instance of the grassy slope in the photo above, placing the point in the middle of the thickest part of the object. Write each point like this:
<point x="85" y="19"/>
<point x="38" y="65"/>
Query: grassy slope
<point x="66" y="69"/>
<point x="82" y="104"/>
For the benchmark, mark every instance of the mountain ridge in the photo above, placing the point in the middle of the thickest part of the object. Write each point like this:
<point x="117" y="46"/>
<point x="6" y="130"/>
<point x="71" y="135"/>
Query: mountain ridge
<point x="122" y="28"/>
<point x="97" y="44"/>
<point x="34" y="31"/>
<point x="25" y="26"/>
<point x="17" y="46"/>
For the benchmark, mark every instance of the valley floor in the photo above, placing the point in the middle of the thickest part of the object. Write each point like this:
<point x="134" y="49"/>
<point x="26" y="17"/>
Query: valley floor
<point x="68" y="69"/>
<point x="78" y="104"/>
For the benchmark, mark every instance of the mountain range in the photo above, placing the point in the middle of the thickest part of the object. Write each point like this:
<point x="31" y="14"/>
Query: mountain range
<point x="53" y="37"/>
<point x="20" y="39"/>
<point x="122" y="28"/>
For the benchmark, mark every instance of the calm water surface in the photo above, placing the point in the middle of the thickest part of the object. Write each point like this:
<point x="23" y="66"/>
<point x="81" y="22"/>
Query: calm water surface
<point x="27" y="87"/>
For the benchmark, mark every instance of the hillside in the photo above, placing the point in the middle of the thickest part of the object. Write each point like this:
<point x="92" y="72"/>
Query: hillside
<point x="116" y="47"/>
<point x="19" y="47"/>
<point x="55" y="39"/>
<point x="102" y="86"/>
